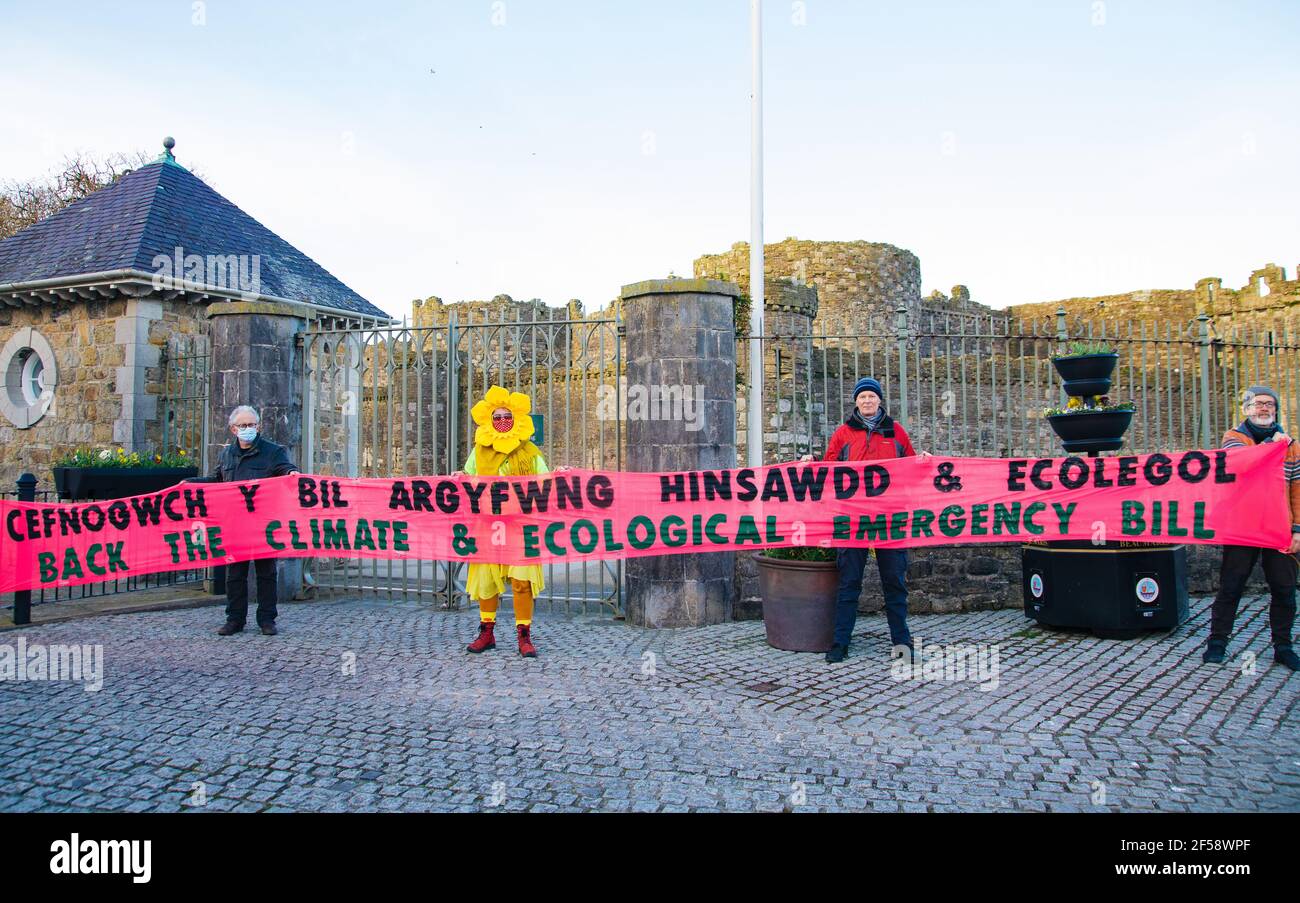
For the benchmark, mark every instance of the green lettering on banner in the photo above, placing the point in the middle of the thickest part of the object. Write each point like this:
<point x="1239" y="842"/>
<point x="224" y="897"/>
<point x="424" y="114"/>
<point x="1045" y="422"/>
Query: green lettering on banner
<point x="840" y="526"/>
<point x="115" y="562"/>
<point x="334" y="535"/>
<point x="673" y="530"/>
<point x="49" y="572"/>
<point x="952" y="521"/>
<point x="772" y="534"/>
<point x="1131" y="522"/>
<point x="1030" y="526"/>
<point x="583" y="546"/>
<point x="549" y="538"/>
<point x="646" y="541"/>
<point x="90" y="560"/>
<point x="173" y="540"/>
<point x="611" y="544"/>
<point x="400" y="541"/>
<point x="530" y="541"/>
<point x="215" y="542"/>
<point x="898" y="525"/>
<point x="1006" y="517"/>
<point x="1174" y="529"/>
<point x="271" y="541"/>
<point x="363" y="538"/>
<point x="1199" y="530"/>
<point x="1063" y="515"/>
<point x="71" y="566"/>
<point x="922" y="518"/>
<point x="748" y="531"/>
<point x="979" y="515"/>
<point x="870" y="528"/>
<point x="711" y="531"/>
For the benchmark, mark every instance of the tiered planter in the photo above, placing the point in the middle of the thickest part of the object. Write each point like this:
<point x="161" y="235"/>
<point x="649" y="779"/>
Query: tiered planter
<point x="1090" y="432"/>
<point x="1116" y="591"/>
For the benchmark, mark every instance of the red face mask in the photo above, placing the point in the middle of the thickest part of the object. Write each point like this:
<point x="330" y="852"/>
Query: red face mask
<point x="503" y="424"/>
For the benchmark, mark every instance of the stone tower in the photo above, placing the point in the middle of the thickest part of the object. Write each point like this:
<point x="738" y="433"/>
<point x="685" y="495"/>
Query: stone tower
<point x="856" y="281"/>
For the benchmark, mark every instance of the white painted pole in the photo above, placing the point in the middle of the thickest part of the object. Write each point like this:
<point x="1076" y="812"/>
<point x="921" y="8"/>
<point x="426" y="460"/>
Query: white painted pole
<point x="754" y="418"/>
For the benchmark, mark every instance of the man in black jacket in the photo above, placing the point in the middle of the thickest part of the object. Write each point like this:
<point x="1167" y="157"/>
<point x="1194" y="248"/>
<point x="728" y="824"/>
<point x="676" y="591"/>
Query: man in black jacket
<point x="249" y="456"/>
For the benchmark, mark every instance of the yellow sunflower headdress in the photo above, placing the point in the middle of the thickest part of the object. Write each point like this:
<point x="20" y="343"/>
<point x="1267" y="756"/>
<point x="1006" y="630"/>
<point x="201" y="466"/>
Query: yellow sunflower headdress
<point x="520" y="431"/>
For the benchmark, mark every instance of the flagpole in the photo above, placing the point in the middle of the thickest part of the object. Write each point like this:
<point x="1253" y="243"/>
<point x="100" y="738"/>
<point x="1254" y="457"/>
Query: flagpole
<point x="754" y="411"/>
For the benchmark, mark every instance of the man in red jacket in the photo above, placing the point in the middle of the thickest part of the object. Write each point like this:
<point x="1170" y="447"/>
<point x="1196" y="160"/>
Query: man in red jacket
<point x="869" y="434"/>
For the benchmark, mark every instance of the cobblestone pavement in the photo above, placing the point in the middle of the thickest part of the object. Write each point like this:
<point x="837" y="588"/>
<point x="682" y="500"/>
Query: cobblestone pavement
<point x="616" y="718"/>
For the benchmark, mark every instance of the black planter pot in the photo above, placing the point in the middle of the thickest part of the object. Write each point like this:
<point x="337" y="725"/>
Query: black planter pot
<point x="98" y="483"/>
<point x="1098" y="431"/>
<point x="1087" y="374"/>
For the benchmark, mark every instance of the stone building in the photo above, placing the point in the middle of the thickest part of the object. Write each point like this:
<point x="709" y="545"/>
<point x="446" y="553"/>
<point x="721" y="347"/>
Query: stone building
<point x="98" y="298"/>
<point x="859" y="283"/>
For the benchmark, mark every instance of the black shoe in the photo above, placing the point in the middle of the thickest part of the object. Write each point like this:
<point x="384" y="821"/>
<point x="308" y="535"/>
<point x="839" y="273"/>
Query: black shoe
<point x="1214" y="651"/>
<point x="230" y="627"/>
<point x="1285" y="655"/>
<point x="268" y="629"/>
<point x="837" y="653"/>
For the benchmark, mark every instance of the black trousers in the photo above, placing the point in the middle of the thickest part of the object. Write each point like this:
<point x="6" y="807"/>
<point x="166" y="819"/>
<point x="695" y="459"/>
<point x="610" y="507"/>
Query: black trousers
<point x="1279" y="572"/>
<point x="237" y="591"/>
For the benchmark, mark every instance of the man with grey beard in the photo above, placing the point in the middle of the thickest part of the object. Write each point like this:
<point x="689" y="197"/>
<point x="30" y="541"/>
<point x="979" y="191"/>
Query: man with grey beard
<point x="1280" y="565"/>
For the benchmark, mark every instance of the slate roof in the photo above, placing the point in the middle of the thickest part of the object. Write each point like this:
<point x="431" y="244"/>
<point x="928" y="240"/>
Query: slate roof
<point x="153" y="210"/>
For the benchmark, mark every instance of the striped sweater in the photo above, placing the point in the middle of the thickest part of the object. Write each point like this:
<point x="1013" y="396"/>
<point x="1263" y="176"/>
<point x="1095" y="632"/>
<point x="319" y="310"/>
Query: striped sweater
<point x="1290" y="467"/>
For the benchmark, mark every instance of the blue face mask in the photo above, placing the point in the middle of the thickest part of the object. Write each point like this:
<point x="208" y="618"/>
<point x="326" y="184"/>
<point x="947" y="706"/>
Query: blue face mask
<point x="247" y="434"/>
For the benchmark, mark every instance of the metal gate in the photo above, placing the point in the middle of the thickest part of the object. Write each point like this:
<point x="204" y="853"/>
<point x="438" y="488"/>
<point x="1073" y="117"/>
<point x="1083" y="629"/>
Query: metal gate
<point x="394" y="400"/>
<point x="186" y="374"/>
<point x="977" y="385"/>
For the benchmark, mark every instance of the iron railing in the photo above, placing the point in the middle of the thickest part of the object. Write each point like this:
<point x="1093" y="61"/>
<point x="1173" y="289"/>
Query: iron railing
<point x="390" y="401"/>
<point x="976" y="385"/>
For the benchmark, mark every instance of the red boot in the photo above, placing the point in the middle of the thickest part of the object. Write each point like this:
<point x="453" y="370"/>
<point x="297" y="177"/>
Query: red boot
<point x="485" y="640"/>
<point x="526" y="647"/>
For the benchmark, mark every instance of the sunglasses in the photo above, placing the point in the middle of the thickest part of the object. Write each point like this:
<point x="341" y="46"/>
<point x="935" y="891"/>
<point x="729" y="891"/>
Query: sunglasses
<point x="503" y="416"/>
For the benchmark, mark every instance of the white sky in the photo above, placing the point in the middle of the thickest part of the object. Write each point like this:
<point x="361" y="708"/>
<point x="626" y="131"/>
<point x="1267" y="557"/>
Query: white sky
<point x="564" y="148"/>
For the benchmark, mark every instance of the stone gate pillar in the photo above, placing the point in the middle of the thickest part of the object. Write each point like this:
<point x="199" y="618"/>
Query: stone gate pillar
<point x="681" y="350"/>
<point x="255" y="361"/>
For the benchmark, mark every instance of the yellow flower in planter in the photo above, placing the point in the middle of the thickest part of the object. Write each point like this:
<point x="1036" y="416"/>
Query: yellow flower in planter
<point x="1075" y="402"/>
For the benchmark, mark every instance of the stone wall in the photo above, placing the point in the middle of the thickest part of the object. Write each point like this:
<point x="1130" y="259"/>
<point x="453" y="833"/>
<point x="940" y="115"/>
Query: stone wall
<point x="1266" y="299"/>
<point x="110" y="360"/>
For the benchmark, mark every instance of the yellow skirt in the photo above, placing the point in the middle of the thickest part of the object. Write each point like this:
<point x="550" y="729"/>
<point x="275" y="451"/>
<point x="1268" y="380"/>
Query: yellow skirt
<point x="486" y="580"/>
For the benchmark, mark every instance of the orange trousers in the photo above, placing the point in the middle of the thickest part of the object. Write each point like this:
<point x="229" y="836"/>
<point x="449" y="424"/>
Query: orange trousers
<point x="523" y="592"/>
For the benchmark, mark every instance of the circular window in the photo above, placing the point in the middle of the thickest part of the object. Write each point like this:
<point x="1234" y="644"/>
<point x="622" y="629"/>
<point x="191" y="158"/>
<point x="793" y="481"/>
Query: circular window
<point x="27" y="363"/>
<point x="31" y="381"/>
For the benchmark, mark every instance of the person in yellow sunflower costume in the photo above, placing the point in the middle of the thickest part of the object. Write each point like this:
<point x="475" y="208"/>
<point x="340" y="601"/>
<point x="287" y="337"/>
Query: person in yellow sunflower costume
<point x="502" y="448"/>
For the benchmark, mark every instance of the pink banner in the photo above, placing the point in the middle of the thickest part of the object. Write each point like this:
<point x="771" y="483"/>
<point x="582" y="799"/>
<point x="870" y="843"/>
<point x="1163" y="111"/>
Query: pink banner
<point x="1221" y="497"/>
